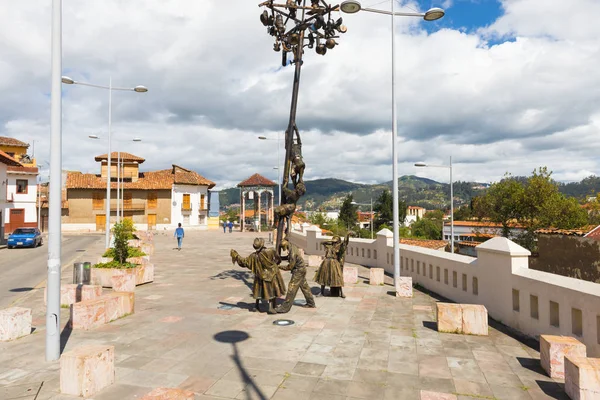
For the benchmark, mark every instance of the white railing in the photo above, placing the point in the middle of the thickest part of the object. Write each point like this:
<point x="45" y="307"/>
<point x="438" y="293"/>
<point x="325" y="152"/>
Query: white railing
<point x="532" y="302"/>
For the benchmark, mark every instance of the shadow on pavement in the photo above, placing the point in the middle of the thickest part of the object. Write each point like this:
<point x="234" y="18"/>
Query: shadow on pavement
<point x="21" y="289"/>
<point x="235" y="337"/>
<point x="238" y="275"/>
<point x="553" y="390"/>
<point x="65" y="335"/>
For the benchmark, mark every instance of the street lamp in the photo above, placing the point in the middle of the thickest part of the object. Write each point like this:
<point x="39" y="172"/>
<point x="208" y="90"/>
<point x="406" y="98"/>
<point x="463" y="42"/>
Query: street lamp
<point x="351" y="7"/>
<point x="120" y="176"/>
<point x="422" y="164"/>
<point x="139" y="89"/>
<point x="365" y="204"/>
<point x="278" y="161"/>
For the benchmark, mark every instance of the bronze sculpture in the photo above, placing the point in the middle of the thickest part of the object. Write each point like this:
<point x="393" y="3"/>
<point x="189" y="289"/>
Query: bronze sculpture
<point x="297" y="265"/>
<point x="331" y="270"/>
<point x="312" y="26"/>
<point x="264" y="264"/>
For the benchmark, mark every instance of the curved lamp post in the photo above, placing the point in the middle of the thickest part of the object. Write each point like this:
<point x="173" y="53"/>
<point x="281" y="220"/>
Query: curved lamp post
<point x="139" y="89"/>
<point x="351" y="7"/>
<point x="422" y="164"/>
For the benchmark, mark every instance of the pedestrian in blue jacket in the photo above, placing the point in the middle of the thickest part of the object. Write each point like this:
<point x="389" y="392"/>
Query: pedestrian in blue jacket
<point x="179" y="234"/>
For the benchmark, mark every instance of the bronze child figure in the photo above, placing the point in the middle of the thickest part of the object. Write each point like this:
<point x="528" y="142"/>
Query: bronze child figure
<point x="268" y="282"/>
<point x="331" y="271"/>
<point x="297" y="265"/>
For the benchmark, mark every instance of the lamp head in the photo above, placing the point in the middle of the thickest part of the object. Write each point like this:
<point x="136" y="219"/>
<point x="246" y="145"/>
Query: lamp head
<point x="67" y="80"/>
<point x="434" y="14"/>
<point x="262" y="137"/>
<point x="137" y="139"/>
<point x="350" y="6"/>
<point x="420" y="164"/>
<point x="140" y="89"/>
<point x="93" y="137"/>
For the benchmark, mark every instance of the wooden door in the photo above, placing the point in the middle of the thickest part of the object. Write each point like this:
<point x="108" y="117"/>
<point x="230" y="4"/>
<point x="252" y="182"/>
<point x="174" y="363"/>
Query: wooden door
<point x="16" y="218"/>
<point x="100" y="222"/>
<point x="151" y="221"/>
<point x="127" y="201"/>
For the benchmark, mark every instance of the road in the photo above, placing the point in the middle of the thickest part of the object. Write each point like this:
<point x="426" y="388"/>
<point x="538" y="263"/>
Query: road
<point x="22" y="269"/>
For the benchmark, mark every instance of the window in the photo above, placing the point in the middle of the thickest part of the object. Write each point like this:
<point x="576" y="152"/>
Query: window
<point x="98" y="201"/>
<point x="576" y="322"/>
<point x="515" y="300"/>
<point x="375" y="254"/>
<point x="127" y="201"/>
<point x="351" y="251"/>
<point x="454" y="278"/>
<point x="418" y="267"/>
<point x="412" y="265"/>
<point x="368" y="253"/>
<point x="22" y="186"/>
<point x="430" y="271"/>
<point x="186" y="205"/>
<point x="362" y="251"/>
<point x="446" y="276"/>
<point x="475" y="286"/>
<point x="534" y="307"/>
<point x="424" y="269"/>
<point x="464" y="282"/>
<point x="202" y="202"/>
<point x="152" y="200"/>
<point x="554" y="314"/>
<point x="437" y="274"/>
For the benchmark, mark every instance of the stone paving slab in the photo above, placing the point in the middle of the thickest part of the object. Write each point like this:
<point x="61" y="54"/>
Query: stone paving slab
<point x="192" y="329"/>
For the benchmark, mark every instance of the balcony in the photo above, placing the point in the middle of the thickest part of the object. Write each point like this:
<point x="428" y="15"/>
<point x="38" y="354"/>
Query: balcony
<point x="186" y="209"/>
<point x="134" y="206"/>
<point x="202" y="208"/>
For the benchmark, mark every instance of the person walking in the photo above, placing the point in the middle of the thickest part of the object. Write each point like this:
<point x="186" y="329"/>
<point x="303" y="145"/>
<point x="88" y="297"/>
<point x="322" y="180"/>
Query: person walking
<point x="225" y="226"/>
<point x="179" y="234"/>
<point x="230" y="225"/>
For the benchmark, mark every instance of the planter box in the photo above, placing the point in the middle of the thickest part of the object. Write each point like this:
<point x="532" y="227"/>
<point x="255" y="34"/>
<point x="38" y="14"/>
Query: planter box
<point x="87" y="370"/>
<point x="73" y="293"/>
<point x="103" y="276"/>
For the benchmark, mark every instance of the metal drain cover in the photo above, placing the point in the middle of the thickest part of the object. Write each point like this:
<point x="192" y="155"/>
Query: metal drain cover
<point x="283" y="322"/>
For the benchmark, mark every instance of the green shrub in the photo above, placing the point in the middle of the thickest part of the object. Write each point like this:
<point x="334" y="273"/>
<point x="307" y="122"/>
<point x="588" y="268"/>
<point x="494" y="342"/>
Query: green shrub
<point x="115" y="264"/>
<point x="132" y="252"/>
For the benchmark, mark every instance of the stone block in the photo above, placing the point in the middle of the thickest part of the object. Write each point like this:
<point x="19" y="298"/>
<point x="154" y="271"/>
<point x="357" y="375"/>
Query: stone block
<point x="582" y="377"/>
<point x="350" y="275"/>
<point x="474" y="319"/>
<point x="147" y="248"/>
<point x="123" y="283"/>
<point x="315" y="261"/>
<point x="146" y="275"/>
<point x="449" y="317"/>
<point x="119" y="304"/>
<point x="88" y="314"/>
<point x="169" y="394"/>
<point x="554" y="349"/>
<point x="102" y="277"/>
<point x="376" y="276"/>
<point x="404" y="287"/>
<point x="73" y="293"/>
<point x="15" y="322"/>
<point x="87" y="370"/>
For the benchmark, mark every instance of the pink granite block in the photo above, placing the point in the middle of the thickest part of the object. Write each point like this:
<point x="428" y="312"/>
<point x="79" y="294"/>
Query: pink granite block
<point x="315" y="261"/>
<point x="15" y="322"/>
<point x="169" y="394"/>
<point x="376" y="276"/>
<point x="148" y="248"/>
<point x="554" y="349"/>
<point x="350" y="275"/>
<point x="119" y="304"/>
<point x="73" y="293"/>
<point x="404" y="287"/>
<point x="427" y="395"/>
<point x="88" y="314"/>
<point x="147" y="275"/>
<point x="474" y="319"/>
<point x="123" y="283"/>
<point x="102" y="276"/>
<point x="87" y="370"/>
<point x="582" y="377"/>
<point x="449" y="317"/>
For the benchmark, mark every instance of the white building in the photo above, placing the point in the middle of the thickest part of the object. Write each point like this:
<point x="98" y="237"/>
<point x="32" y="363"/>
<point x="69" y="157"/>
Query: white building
<point x="6" y="161"/>
<point x="413" y="213"/>
<point x="190" y="205"/>
<point x="19" y="193"/>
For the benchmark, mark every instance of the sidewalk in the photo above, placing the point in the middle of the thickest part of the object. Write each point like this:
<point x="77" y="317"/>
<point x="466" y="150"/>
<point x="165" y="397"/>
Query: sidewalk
<point x="192" y="329"/>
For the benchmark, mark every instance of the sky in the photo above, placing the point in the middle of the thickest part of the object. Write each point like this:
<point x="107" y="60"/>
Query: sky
<point x="499" y="85"/>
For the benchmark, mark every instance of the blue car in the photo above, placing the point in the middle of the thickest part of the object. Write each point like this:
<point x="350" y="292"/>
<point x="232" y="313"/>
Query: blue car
<point x="25" y="237"/>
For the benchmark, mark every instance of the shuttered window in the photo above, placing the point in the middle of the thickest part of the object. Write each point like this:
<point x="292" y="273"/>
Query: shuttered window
<point x="152" y="200"/>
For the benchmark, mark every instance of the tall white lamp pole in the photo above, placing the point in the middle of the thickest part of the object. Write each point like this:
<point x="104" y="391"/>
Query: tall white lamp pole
<point x="351" y="7"/>
<point x="278" y="162"/>
<point x="139" y="89"/>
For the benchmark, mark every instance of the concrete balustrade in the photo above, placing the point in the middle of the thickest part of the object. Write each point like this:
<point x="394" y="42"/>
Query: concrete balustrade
<point x="532" y="302"/>
<point x="87" y="370"/>
<point x="15" y="322"/>
<point x="554" y="349"/>
<point x="582" y="378"/>
<point x="169" y="394"/>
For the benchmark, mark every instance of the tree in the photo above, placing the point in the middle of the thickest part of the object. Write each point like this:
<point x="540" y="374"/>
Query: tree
<point x="384" y="213"/>
<point x="463" y="213"/>
<point x="319" y="219"/>
<point x="348" y="216"/>
<point x="427" y="229"/>
<point x="501" y="203"/>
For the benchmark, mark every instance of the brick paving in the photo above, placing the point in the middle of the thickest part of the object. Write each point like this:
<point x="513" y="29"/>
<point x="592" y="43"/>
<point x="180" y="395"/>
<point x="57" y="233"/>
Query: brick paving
<point x="192" y="329"/>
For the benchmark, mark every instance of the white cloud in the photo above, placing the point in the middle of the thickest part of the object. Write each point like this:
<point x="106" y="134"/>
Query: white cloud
<point x="215" y="85"/>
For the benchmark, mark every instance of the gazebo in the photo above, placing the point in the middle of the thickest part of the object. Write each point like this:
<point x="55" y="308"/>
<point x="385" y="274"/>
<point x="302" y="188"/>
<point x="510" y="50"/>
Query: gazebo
<point x="253" y="189"/>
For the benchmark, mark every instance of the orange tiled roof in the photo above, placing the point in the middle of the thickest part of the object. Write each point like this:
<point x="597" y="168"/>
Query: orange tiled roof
<point x="8" y="141"/>
<point x="257" y="180"/>
<point x="482" y="224"/>
<point x="153" y="180"/>
<point x="584" y="230"/>
<point x="124" y="157"/>
<point x="469" y="244"/>
<point x="8" y="160"/>
<point x="29" y="170"/>
<point x="429" y="244"/>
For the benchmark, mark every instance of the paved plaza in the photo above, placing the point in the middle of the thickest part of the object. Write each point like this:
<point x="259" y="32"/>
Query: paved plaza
<point x="192" y="329"/>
